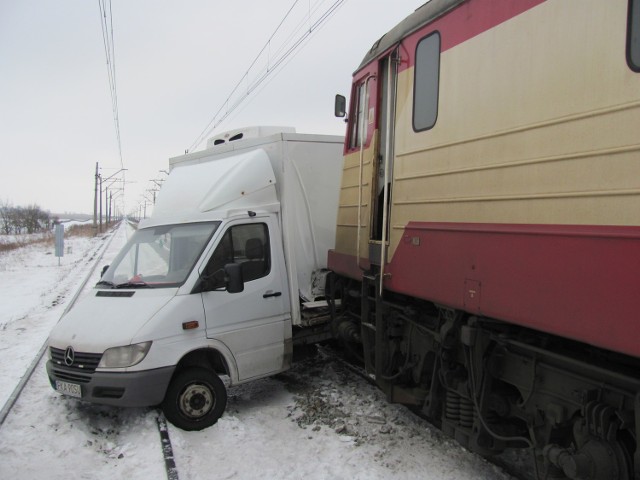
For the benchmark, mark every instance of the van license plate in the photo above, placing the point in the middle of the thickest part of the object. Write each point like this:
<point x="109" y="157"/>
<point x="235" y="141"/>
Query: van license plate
<point x="70" y="389"/>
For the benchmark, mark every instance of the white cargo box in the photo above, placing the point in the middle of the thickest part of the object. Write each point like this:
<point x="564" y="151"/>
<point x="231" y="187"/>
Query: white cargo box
<point x="295" y="175"/>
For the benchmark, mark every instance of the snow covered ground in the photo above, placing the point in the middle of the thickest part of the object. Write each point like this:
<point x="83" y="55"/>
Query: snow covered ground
<point x="317" y="421"/>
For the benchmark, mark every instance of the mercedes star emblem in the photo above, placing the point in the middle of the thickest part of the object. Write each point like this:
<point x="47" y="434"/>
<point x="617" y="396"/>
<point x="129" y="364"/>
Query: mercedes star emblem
<point x="69" y="356"/>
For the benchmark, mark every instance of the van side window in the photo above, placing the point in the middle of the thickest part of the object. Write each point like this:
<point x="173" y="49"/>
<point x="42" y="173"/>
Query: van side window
<point x="633" y="33"/>
<point x="247" y="245"/>
<point x="426" y="82"/>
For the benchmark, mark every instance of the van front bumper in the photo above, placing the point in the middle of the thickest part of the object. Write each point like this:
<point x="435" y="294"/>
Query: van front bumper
<point x="128" y="389"/>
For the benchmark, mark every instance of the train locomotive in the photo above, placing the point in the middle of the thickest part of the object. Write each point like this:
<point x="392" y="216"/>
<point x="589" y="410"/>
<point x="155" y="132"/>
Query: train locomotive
<point x="487" y="260"/>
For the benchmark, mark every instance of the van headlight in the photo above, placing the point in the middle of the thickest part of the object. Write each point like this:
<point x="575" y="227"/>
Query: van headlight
<point x="121" y="357"/>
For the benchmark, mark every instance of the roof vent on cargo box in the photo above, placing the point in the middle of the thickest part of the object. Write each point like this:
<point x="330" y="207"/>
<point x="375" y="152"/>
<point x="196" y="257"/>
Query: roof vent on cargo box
<point x="247" y="133"/>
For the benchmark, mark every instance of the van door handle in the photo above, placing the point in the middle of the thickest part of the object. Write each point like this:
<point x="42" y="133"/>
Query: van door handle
<point x="271" y="294"/>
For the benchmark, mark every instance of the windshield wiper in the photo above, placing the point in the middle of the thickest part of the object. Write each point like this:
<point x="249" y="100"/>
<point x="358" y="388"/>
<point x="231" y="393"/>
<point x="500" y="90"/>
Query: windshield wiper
<point x="107" y="283"/>
<point x="138" y="284"/>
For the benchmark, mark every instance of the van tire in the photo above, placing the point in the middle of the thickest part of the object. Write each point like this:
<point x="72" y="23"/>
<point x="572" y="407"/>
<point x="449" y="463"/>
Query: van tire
<point x="196" y="399"/>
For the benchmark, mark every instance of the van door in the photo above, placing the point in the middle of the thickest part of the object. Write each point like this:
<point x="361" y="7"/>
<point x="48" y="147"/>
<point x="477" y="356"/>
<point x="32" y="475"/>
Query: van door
<point x="254" y="324"/>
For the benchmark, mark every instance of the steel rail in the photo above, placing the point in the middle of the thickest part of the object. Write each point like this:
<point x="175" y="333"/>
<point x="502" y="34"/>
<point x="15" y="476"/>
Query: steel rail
<point x="167" y="450"/>
<point x="514" y="464"/>
<point x="29" y="372"/>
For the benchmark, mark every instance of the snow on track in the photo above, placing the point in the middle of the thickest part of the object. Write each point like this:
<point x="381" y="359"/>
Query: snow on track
<point x="32" y="298"/>
<point x="321" y="421"/>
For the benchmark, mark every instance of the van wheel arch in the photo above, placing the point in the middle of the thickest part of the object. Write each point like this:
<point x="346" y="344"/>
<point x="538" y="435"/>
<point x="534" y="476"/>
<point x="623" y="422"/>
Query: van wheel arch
<point x="207" y="358"/>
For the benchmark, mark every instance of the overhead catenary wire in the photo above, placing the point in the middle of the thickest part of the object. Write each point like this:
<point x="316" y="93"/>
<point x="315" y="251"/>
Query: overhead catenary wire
<point x="106" y="22"/>
<point x="285" y="51"/>
<point x="266" y="46"/>
<point x="275" y="73"/>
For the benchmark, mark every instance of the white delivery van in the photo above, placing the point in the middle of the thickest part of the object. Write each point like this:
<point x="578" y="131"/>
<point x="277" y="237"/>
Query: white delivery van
<point x="213" y="283"/>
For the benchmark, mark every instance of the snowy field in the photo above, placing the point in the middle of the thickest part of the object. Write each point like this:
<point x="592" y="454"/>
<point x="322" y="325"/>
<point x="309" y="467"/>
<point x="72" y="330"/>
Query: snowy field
<point x="317" y="421"/>
<point x="24" y="238"/>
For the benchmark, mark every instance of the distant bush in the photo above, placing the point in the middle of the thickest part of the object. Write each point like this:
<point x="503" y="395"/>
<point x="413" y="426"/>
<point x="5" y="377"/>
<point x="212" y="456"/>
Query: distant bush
<point x="18" y="241"/>
<point x="85" y="230"/>
<point x="47" y="237"/>
<point x="20" y="220"/>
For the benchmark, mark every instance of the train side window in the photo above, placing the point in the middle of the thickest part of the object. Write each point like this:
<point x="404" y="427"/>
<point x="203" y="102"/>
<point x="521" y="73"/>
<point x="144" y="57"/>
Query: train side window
<point x="633" y="33"/>
<point x="426" y="82"/>
<point x="359" y="122"/>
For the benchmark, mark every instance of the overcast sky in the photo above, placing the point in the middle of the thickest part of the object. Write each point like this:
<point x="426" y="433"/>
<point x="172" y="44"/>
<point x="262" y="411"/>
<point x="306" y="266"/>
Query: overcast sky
<point x="176" y="63"/>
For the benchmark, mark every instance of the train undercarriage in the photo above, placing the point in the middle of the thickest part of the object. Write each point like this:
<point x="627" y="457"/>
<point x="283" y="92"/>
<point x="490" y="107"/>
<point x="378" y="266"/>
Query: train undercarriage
<point x="493" y="386"/>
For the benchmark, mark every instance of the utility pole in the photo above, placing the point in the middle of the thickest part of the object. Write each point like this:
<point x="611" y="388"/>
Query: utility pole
<point x="107" y="182"/>
<point x="100" y="203"/>
<point x="95" y="200"/>
<point x="106" y="207"/>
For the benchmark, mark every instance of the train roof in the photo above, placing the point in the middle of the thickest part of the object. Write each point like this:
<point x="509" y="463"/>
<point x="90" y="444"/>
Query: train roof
<point x="423" y="15"/>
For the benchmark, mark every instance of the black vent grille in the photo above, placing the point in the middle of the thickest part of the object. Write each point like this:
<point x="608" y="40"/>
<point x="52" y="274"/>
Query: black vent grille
<point x="71" y="376"/>
<point x="82" y="362"/>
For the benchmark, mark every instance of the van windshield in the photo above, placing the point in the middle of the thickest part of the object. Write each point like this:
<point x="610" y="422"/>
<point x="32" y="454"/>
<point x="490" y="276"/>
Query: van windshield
<point x="158" y="257"/>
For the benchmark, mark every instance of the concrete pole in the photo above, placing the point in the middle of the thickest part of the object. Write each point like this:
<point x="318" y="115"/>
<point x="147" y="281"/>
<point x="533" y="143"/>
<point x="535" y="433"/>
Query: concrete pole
<point x="106" y="208"/>
<point x="95" y="199"/>
<point x="100" y="203"/>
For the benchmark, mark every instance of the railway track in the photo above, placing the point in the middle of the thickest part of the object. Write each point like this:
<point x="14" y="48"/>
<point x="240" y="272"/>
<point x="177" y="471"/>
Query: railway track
<point x="516" y="463"/>
<point x="95" y="257"/>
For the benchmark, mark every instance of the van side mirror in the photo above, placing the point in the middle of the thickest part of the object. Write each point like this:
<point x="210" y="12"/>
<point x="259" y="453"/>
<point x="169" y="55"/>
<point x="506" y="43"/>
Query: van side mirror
<point x="340" y="107"/>
<point x="233" y="274"/>
<point x="104" y="269"/>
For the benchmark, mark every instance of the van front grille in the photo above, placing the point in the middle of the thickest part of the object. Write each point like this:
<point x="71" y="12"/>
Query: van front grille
<point x="82" y="362"/>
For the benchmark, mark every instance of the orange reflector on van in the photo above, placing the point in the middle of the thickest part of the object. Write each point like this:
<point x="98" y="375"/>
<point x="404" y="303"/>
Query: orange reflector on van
<point x="190" y="325"/>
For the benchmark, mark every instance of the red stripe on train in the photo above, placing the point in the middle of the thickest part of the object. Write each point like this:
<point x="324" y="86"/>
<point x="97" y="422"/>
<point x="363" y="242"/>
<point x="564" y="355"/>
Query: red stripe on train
<point x="580" y="282"/>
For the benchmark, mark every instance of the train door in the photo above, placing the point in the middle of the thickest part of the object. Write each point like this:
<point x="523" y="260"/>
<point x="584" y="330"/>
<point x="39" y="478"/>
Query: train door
<point x="383" y="167"/>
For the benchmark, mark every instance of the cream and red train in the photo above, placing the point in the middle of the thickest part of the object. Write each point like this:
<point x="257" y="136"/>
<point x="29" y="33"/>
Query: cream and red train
<point x="487" y="255"/>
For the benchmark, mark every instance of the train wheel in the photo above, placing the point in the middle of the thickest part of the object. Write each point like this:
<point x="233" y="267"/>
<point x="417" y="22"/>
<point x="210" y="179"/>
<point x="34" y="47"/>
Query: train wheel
<point x="596" y="460"/>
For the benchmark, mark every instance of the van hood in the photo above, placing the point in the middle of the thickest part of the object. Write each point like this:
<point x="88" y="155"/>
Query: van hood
<point x="108" y="318"/>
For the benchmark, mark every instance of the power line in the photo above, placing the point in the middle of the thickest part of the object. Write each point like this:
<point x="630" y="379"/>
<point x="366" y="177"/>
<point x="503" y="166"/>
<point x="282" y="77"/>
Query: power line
<point x="206" y="130"/>
<point x="274" y="73"/>
<point x="280" y="56"/>
<point x="109" y="50"/>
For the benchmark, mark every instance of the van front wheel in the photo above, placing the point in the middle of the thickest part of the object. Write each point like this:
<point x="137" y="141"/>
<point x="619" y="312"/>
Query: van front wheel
<point x="195" y="399"/>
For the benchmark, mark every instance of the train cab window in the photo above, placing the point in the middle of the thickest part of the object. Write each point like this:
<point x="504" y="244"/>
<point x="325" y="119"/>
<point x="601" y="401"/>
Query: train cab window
<point x="358" y="128"/>
<point x="426" y="82"/>
<point x="633" y="32"/>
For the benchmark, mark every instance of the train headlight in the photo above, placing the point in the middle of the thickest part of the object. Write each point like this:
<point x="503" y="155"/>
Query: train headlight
<point x="121" y="357"/>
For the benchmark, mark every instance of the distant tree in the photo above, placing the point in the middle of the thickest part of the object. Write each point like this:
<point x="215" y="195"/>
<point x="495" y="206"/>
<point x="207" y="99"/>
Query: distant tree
<point x="15" y="214"/>
<point x="18" y="220"/>
<point x="6" y="226"/>
<point x="34" y="218"/>
<point x="45" y="220"/>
